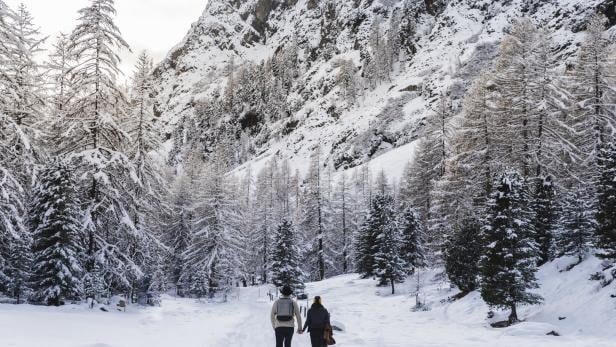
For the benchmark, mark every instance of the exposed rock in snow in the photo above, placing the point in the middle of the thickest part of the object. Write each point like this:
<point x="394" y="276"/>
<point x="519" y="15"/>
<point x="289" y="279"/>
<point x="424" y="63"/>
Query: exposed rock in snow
<point x="451" y="42"/>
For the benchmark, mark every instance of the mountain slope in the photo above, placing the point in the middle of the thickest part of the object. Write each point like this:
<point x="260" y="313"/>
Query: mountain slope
<point x="445" y="44"/>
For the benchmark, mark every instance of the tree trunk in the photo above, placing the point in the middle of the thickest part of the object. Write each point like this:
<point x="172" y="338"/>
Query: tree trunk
<point x="513" y="317"/>
<point x="344" y="231"/>
<point x="393" y="288"/>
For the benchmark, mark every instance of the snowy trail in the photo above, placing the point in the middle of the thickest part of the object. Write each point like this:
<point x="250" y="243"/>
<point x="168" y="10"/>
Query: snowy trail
<point x="256" y="329"/>
<point x="369" y="319"/>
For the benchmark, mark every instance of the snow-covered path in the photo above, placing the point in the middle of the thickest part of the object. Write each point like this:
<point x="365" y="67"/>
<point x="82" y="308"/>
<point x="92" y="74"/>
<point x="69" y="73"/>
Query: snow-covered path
<point x="368" y="318"/>
<point x="256" y="329"/>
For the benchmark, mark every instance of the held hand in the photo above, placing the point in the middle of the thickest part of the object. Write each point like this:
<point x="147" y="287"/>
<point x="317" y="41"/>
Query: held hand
<point x="300" y="331"/>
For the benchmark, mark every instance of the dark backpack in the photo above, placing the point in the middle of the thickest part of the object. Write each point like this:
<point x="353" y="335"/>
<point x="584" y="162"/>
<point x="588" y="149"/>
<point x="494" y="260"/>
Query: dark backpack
<point x="284" y="310"/>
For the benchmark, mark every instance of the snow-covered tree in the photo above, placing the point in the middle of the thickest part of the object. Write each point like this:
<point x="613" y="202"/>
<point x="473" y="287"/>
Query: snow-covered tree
<point x="545" y="221"/>
<point x="230" y="88"/>
<point x="21" y="98"/>
<point x="291" y="63"/>
<point x="509" y="260"/>
<point x="56" y="227"/>
<point x="473" y="143"/>
<point x="18" y="266"/>
<point x="285" y="265"/>
<point x="212" y="255"/>
<point x="462" y="253"/>
<point x="346" y="80"/>
<point x="344" y="223"/>
<point x="148" y="188"/>
<point x="394" y="39"/>
<point x="412" y="239"/>
<point x="59" y="66"/>
<point x="380" y="216"/>
<point x="515" y="69"/>
<point x="313" y="207"/>
<point x="329" y="30"/>
<point x="434" y="155"/>
<point x="593" y="81"/>
<point x="92" y="137"/>
<point x="247" y="206"/>
<point x="94" y="284"/>
<point x="15" y="239"/>
<point x="179" y="226"/>
<point x="23" y="71"/>
<point x="377" y="62"/>
<point x="12" y="194"/>
<point x="606" y="202"/>
<point x="264" y="224"/>
<point x="389" y="264"/>
<point x="552" y="150"/>
<point x="578" y="225"/>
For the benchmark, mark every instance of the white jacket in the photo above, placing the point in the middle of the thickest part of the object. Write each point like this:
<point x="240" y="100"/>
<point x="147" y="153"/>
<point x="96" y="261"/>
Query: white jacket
<point x="289" y="324"/>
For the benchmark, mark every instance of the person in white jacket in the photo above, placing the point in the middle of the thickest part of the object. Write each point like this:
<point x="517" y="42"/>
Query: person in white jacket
<point x="285" y="312"/>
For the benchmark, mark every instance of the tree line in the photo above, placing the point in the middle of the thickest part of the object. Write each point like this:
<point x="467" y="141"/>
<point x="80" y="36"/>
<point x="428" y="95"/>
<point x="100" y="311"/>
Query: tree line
<point x="80" y="187"/>
<point x="520" y="171"/>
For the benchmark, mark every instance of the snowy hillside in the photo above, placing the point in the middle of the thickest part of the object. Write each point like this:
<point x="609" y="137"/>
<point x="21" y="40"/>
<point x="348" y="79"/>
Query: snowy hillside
<point x="444" y="46"/>
<point x="369" y="318"/>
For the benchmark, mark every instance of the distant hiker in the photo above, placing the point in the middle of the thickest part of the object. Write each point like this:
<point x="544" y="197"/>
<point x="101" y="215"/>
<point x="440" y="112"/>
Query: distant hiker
<point x="284" y="313"/>
<point x="318" y="324"/>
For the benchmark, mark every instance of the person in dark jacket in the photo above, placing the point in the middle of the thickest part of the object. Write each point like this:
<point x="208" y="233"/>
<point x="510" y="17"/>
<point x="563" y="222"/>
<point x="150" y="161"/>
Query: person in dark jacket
<point x="316" y="323"/>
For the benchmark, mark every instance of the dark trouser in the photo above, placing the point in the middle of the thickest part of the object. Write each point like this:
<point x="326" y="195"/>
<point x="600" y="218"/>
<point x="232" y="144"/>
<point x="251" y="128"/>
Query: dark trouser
<point x="284" y="335"/>
<point x="317" y="337"/>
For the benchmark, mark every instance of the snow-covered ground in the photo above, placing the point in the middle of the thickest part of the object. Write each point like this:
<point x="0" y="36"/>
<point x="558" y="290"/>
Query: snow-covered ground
<point x="370" y="317"/>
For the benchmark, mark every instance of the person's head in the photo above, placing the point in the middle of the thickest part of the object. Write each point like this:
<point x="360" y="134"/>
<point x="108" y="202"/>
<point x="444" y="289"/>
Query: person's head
<point x="286" y="290"/>
<point x="317" y="300"/>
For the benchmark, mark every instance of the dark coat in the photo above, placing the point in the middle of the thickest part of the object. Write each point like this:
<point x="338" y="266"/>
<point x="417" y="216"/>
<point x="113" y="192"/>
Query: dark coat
<point x="318" y="318"/>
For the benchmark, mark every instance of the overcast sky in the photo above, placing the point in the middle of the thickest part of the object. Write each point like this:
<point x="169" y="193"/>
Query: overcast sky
<point x="153" y="25"/>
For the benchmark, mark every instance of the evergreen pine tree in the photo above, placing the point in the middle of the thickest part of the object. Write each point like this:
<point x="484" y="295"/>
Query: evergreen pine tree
<point x="508" y="264"/>
<point x="389" y="264"/>
<point x="285" y="265"/>
<point x="12" y="194"/>
<point x="412" y="234"/>
<point x="578" y="225"/>
<point x="606" y="202"/>
<point x="92" y="137"/>
<point x="19" y="264"/>
<point x="545" y="218"/>
<point x="94" y="284"/>
<point x="462" y="254"/>
<point x="380" y="215"/>
<point x="179" y="227"/>
<point x="56" y="228"/>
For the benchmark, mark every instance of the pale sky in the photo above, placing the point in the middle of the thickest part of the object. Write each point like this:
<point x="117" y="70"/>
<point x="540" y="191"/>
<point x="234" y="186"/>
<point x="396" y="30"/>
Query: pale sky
<point x="153" y="25"/>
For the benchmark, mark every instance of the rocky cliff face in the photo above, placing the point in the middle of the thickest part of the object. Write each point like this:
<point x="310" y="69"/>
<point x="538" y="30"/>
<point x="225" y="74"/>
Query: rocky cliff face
<point x="443" y="45"/>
